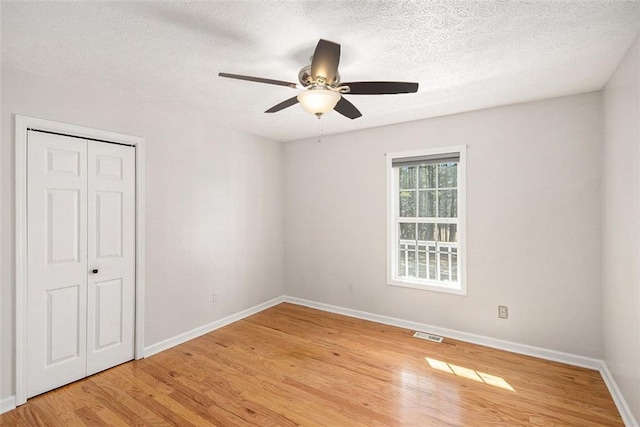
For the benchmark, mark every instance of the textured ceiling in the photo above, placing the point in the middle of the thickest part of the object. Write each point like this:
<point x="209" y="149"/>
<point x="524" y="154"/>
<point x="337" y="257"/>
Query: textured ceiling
<point x="465" y="55"/>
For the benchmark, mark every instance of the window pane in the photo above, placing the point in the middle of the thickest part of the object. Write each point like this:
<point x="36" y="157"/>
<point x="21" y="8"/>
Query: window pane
<point x="432" y="265"/>
<point x="422" y="265"/>
<point x="447" y="175"/>
<point x="448" y="203"/>
<point x="448" y="233"/>
<point x="427" y="232"/>
<point x="402" y="263"/>
<point x="407" y="231"/>
<point x="411" y="264"/>
<point x="407" y="176"/>
<point x="454" y="267"/>
<point x="444" y="267"/>
<point x="407" y="204"/>
<point x="427" y="203"/>
<point x="427" y="176"/>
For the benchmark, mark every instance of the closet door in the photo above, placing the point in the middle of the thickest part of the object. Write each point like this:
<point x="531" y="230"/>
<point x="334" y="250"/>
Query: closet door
<point x="57" y="261"/>
<point x="111" y="255"/>
<point x="81" y="258"/>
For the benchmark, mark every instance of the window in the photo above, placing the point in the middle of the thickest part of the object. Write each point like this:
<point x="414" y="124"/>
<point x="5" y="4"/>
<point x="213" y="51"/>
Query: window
<point x="426" y="219"/>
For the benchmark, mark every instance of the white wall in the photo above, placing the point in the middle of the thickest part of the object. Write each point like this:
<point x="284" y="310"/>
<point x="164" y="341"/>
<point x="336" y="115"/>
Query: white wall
<point x="533" y="219"/>
<point x="214" y="202"/>
<point x="621" y="227"/>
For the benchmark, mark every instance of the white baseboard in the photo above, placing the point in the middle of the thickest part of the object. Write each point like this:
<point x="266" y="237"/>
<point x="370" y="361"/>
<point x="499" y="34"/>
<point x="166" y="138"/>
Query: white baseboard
<point x="201" y="330"/>
<point x="7" y="404"/>
<point x="618" y="398"/>
<point x="527" y="350"/>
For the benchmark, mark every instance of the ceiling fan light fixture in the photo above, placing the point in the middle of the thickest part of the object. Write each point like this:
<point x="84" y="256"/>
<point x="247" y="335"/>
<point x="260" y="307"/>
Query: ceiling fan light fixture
<point x="318" y="100"/>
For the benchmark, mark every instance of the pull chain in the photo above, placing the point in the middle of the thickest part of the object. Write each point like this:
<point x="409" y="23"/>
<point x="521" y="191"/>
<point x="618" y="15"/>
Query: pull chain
<point x="321" y="132"/>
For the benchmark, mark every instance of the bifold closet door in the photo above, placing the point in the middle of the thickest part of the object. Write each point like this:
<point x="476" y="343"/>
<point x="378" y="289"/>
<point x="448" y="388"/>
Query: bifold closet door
<point x="57" y="261"/>
<point x="80" y="219"/>
<point x="111" y="254"/>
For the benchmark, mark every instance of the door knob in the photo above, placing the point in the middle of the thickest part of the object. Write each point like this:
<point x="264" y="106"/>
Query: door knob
<point x="94" y="271"/>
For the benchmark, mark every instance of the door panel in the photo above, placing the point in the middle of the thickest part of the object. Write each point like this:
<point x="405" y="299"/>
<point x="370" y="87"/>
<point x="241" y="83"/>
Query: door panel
<point x="57" y="261"/>
<point x="63" y="225"/>
<point x="63" y="320"/>
<point x="108" y="167"/>
<point x="109" y="313"/>
<point x="109" y="224"/>
<point x="111" y="250"/>
<point x="63" y="162"/>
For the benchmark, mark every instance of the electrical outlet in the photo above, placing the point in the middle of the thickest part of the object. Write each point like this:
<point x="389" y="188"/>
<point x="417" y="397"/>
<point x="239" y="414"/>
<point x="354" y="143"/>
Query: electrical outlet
<point x="503" y="312"/>
<point x="215" y="297"/>
<point x="350" y="288"/>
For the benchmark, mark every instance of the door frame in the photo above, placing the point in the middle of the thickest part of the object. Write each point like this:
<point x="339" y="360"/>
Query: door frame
<point x="22" y="125"/>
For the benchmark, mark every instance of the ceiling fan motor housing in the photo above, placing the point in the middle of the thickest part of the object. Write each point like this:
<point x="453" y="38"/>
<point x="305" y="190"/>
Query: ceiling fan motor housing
<point x="306" y="80"/>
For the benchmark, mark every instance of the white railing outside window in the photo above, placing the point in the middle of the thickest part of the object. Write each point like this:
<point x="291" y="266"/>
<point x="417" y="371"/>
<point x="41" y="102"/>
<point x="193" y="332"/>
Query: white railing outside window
<point x="428" y="260"/>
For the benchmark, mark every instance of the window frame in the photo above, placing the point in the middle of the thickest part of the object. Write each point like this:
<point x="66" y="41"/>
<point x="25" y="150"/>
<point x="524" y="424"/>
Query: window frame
<point x="459" y="287"/>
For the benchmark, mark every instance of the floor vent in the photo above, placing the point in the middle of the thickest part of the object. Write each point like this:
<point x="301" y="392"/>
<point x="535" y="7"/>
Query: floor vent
<point x="428" y="337"/>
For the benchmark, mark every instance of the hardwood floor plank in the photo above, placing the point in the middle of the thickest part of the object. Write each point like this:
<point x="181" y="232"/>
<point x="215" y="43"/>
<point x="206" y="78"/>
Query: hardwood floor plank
<point x="64" y="412"/>
<point x="90" y="417"/>
<point x="292" y="365"/>
<point x="150" y="398"/>
<point x="196" y="375"/>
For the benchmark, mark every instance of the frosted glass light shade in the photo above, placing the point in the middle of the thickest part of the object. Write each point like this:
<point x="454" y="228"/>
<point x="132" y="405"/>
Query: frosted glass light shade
<point x="318" y="101"/>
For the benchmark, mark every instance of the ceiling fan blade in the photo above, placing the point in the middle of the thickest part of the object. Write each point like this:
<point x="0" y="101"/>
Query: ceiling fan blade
<point x="258" y="80"/>
<point x="325" y="60"/>
<point x="347" y="109"/>
<point x="284" y="104"/>
<point x="380" y="88"/>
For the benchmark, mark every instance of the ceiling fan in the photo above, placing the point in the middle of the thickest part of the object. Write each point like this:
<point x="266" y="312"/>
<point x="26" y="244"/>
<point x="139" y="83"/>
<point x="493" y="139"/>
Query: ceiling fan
<point x="323" y="87"/>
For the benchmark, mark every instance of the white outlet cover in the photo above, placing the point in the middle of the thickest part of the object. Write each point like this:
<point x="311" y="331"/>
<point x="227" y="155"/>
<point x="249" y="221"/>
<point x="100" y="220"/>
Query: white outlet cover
<point x="503" y="312"/>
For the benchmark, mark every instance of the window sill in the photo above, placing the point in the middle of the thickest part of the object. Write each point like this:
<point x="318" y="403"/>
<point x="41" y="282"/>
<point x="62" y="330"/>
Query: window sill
<point x="433" y="287"/>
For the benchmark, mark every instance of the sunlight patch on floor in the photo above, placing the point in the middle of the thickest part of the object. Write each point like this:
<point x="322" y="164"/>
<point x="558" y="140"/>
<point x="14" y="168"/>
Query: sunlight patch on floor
<point x="470" y="374"/>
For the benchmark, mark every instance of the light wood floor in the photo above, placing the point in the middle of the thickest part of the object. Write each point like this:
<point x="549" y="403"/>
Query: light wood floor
<point x="291" y="365"/>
